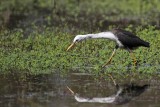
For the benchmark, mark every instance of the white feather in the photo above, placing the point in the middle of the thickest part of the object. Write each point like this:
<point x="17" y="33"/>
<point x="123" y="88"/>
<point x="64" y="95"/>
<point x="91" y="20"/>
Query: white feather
<point x="105" y="35"/>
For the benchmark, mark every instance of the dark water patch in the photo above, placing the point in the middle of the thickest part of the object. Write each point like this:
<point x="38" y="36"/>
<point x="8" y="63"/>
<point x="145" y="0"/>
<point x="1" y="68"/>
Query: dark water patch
<point x="51" y="90"/>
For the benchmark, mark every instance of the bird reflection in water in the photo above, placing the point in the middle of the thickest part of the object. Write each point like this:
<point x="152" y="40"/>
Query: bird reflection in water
<point x="124" y="94"/>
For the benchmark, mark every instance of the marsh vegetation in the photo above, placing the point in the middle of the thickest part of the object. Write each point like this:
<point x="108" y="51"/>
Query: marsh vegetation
<point x="35" y="67"/>
<point x="35" y="34"/>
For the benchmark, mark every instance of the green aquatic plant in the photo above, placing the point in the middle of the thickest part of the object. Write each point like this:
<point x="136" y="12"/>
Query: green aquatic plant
<point x="46" y="52"/>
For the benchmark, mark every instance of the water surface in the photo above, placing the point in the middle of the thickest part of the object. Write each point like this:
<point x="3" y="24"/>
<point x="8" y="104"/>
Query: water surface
<point x="51" y="91"/>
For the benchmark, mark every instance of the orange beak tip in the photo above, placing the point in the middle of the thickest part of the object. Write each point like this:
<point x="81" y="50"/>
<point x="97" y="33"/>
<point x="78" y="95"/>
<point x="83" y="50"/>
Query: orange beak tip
<point x="70" y="46"/>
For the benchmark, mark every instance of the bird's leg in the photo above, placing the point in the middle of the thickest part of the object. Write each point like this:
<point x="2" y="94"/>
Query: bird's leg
<point x="110" y="59"/>
<point x="114" y="82"/>
<point x="133" y="57"/>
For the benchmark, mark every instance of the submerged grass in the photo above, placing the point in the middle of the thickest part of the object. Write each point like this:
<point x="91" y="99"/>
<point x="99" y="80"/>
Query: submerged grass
<point x="45" y="52"/>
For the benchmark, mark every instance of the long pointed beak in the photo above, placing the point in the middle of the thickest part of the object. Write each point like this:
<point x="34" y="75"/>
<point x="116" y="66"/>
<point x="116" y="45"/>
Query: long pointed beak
<point x="71" y="46"/>
<point x="71" y="91"/>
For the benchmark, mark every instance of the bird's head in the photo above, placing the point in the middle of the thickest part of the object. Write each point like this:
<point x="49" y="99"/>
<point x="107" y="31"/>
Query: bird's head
<point x="77" y="39"/>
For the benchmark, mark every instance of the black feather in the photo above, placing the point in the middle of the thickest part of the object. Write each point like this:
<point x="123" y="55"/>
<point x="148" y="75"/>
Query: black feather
<point x="129" y="40"/>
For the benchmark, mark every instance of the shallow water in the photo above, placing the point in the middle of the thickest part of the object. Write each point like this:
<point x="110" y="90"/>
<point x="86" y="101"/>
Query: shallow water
<point x="51" y="91"/>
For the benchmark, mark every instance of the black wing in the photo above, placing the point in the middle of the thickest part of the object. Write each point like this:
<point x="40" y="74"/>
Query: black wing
<point x="128" y="39"/>
<point x="121" y="31"/>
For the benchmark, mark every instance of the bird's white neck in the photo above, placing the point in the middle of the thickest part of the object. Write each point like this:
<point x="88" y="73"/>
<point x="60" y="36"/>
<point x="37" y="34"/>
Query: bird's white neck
<point x="106" y="35"/>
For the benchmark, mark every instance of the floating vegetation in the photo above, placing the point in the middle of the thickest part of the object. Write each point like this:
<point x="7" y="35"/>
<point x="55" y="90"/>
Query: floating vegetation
<point x="46" y="52"/>
<point x="34" y="35"/>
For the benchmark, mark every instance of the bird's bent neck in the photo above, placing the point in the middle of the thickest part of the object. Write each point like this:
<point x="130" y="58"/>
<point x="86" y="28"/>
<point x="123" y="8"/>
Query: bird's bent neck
<point x="106" y="35"/>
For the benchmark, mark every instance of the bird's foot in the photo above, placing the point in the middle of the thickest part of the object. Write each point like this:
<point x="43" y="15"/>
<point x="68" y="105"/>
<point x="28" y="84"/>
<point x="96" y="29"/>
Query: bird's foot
<point x="106" y="63"/>
<point x="135" y="63"/>
<point x="113" y="80"/>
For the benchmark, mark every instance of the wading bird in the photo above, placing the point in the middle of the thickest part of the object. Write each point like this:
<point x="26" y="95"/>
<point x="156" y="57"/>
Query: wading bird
<point x="124" y="39"/>
<point x="124" y="94"/>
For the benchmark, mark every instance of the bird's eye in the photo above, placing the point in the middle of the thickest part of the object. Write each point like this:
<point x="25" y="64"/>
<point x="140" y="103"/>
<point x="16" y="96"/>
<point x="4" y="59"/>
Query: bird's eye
<point x="77" y="40"/>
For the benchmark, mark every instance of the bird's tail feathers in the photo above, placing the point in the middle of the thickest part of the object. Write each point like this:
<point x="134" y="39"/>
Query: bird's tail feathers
<point x="146" y="44"/>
